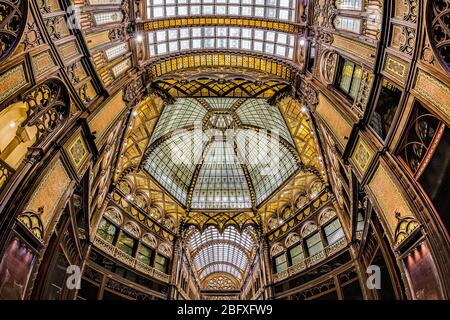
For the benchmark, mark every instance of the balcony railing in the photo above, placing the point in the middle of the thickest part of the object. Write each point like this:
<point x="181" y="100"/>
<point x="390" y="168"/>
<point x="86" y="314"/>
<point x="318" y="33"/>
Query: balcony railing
<point x="311" y="261"/>
<point x="121" y="256"/>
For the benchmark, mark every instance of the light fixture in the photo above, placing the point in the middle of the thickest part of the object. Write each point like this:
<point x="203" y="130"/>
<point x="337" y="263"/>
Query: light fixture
<point x="134" y="113"/>
<point x="304" y="109"/>
<point x="302" y="42"/>
<point x="12" y="124"/>
<point x="139" y="38"/>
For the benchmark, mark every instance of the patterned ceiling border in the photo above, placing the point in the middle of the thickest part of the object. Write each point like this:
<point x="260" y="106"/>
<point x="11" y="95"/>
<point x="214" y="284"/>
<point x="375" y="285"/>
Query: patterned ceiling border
<point x="219" y="21"/>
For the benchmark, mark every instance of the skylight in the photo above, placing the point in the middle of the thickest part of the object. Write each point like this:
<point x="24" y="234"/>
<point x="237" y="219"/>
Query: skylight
<point x="222" y="37"/>
<point x="219" y="153"/>
<point x="283" y="10"/>
<point x="228" y="252"/>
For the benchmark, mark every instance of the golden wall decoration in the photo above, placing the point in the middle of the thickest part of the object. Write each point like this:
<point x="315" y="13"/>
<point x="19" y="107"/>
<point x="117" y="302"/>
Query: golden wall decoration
<point x="42" y="63"/>
<point x="389" y="197"/>
<point x="107" y="115"/>
<point x="204" y="21"/>
<point x="49" y="192"/>
<point x="97" y="39"/>
<point x="12" y="81"/>
<point x="340" y="127"/>
<point x="221" y="60"/>
<point x="434" y="91"/>
<point x="362" y="156"/>
<point x="395" y="67"/>
<point x="356" y="49"/>
<point x="78" y="151"/>
<point x="69" y="50"/>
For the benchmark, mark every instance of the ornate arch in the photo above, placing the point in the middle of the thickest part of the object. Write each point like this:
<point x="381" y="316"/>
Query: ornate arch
<point x="14" y="17"/>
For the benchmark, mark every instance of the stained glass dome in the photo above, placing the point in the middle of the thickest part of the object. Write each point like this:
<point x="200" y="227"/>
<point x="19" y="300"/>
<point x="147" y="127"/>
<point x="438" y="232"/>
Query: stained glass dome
<point x="221" y="153"/>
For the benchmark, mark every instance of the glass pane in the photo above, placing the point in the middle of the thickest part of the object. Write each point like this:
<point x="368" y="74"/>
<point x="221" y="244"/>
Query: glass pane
<point x="161" y="263"/>
<point x="385" y="109"/>
<point x="333" y="231"/>
<point x="281" y="263"/>
<point x="314" y="244"/>
<point x="346" y="76"/>
<point x="106" y="230"/>
<point x="126" y="244"/>
<point x="355" y="83"/>
<point x="145" y="254"/>
<point x="296" y="254"/>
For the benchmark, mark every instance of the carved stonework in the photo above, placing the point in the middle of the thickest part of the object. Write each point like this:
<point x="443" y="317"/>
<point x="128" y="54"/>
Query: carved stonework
<point x="407" y="41"/>
<point x="32" y="37"/>
<point x="309" y="94"/>
<point x="133" y="90"/>
<point x="405" y="228"/>
<point x="427" y="53"/>
<point x="328" y="66"/>
<point x="48" y="108"/>
<point x="118" y="34"/>
<point x="439" y="30"/>
<point x="13" y="16"/>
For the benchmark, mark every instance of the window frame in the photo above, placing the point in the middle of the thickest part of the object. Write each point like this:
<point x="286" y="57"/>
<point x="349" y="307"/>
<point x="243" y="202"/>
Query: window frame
<point x="286" y="262"/>
<point x="321" y="242"/>
<point x="338" y="77"/>
<point x="117" y="230"/>
<point x="298" y="244"/>
<point x="135" y="242"/>
<point x="155" y="263"/>
<point x="337" y="230"/>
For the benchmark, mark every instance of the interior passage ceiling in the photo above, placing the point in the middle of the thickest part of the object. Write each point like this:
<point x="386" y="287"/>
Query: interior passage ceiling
<point x="221" y="153"/>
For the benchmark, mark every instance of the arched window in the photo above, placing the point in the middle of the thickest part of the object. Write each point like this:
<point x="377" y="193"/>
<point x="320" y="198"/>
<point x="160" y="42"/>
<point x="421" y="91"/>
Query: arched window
<point x="31" y="122"/>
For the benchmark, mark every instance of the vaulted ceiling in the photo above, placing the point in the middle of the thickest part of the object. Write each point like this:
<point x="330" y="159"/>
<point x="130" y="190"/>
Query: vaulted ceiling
<point x="212" y="67"/>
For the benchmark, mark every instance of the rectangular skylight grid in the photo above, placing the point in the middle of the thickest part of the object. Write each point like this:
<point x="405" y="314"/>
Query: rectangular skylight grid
<point x="256" y="40"/>
<point x="348" y="24"/>
<point x="121" y="67"/>
<point x="108" y="17"/>
<point x="349" y="4"/>
<point x="116" y="51"/>
<point x="220" y="267"/>
<point x="283" y="10"/>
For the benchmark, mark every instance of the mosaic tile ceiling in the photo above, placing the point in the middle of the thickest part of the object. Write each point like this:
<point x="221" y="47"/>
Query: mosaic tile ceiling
<point x="221" y="153"/>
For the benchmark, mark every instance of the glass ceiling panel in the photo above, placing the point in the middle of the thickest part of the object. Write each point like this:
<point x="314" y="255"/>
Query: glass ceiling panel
<point x="217" y="252"/>
<point x="269" y="163"/>
<point x="283" y="10"/>
<point x="230" y="234"/>
<point x="221" y="267"/>
<point x="221" y="252"/>
<point x="258" y="112"/>
<point x="221" y="103"/>
<point x="183" y="113"/>
<point x="221" y="182"/>
<point x="173" y="163"/>
<point x="256" y="40"/>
